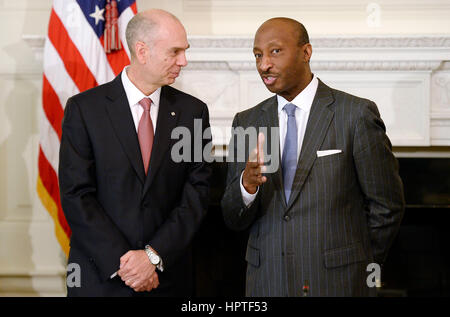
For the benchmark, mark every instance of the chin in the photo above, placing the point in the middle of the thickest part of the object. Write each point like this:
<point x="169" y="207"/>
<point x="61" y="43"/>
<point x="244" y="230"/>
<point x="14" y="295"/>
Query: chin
<point x="273" y="89"/>
<point x="170" y="81"/>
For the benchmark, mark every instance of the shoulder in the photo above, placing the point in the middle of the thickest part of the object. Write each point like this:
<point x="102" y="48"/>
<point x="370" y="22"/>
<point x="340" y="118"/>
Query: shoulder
<point x="92" y="98"/>
<point x="99" y="91"/>
<point x="354" y="111"/>
<point x="347" y="103"/>
<point x="179" y="96"/>
<point x="348" y="100"/>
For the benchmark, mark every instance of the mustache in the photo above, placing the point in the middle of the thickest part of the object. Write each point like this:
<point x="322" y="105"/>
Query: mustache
<point x="267" y="74"/>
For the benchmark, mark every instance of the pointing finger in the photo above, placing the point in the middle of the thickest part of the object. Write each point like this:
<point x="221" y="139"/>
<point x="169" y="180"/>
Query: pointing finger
<point x="261" y="140"/>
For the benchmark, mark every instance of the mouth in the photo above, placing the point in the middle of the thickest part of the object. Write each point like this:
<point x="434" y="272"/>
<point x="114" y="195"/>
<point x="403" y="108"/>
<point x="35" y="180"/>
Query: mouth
<point x="269" y="80"/>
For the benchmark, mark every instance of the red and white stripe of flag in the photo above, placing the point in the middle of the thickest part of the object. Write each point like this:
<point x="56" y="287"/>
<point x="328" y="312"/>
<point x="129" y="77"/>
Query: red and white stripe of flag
<point x="74" y="61"/>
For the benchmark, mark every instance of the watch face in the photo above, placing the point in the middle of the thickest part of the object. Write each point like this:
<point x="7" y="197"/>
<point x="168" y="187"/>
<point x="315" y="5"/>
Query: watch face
<point x="154" y="259"/>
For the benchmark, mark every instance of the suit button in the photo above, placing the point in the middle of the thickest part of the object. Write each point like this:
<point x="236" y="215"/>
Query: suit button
<point x="287" y="218"/>
<point x="140" y="244"/>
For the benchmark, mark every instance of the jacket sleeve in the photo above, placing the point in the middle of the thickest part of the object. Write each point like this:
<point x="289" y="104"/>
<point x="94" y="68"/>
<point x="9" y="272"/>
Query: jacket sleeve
<point x="236" y="214"/>
<point x="93" y="232"/>
<point x="378" y="176"/>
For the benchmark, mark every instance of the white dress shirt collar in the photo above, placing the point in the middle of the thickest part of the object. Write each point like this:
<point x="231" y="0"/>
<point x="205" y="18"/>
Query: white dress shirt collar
<point x="134" y="95"/>
<point x="304" y="99"/>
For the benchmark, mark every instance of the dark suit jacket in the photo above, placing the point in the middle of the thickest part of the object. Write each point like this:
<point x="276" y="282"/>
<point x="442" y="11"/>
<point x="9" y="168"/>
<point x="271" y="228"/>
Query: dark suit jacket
<point x="344" y="210"/>
<point x="109" y="203"/>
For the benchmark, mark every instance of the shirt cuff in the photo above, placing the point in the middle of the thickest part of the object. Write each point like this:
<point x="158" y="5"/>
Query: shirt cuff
<point x="246" y="197"/>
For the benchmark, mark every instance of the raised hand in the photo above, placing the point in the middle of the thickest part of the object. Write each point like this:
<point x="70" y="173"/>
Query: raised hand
<point x="252" y="177"/>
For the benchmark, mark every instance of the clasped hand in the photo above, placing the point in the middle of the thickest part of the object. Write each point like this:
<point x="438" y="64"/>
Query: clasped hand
<point x="137" y="271"/>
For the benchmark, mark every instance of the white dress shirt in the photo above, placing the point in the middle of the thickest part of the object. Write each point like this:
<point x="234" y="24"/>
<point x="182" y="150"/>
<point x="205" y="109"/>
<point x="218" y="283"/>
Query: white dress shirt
<point x="303" y="101"/>
<point x="134" y="95"/>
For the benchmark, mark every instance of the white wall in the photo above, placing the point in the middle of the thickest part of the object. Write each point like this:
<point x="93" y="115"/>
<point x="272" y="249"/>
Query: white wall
<point x="30" y="260"/>
<point x="321" y="17"/>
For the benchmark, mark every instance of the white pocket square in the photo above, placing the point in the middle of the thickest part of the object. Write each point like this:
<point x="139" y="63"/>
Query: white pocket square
<point x="327" y="152"/>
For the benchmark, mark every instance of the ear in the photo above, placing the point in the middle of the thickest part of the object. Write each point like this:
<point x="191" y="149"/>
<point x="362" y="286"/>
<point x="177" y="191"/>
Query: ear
<point x="141" y="50"/>
<point x="307" y="52"/>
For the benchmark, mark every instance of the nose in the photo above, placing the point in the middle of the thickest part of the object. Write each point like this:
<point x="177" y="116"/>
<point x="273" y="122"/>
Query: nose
<point x="182" y="61"/>
<point x="265" y="63"/>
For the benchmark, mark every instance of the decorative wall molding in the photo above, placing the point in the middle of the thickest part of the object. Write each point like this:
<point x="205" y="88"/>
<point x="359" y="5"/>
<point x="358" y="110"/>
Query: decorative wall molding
<point x="376" y="41"/>
<point x="235" y="53"/>
<point x="382" y="42"/>
<point x="327" y="66"/>
<point x="376" y="65"/>
<point x="222" y="72"/>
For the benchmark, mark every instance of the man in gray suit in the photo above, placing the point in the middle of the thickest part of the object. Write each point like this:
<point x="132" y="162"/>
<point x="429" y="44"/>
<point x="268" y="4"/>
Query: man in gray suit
<point x="336" y="201"/>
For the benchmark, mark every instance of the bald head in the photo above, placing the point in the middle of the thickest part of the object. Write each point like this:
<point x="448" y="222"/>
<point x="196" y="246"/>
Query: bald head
<point x="287" y="25"/>
<point x="146" y="27"/>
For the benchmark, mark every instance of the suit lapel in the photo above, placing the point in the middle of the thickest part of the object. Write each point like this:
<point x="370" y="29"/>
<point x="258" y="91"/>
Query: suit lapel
<point x="123" y="124"/>
<point x="168" y="115"/>
<point x="270" y="119"/>
<point x="318" y="122"/>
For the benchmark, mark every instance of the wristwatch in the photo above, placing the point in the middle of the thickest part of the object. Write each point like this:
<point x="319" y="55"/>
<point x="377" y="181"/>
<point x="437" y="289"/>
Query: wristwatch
<point x="152" y="256"/>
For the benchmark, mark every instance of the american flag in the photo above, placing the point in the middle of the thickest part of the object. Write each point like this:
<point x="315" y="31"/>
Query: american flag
<point x="85" y="47"/>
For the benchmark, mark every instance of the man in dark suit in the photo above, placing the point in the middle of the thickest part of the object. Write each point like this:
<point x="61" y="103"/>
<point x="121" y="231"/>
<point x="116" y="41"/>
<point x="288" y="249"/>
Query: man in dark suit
<point x="132" y="209"/>
<point x="335" y="203"/>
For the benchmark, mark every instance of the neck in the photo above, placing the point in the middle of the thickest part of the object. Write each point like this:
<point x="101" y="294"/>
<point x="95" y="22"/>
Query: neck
<point x="304" y="82"/>
<point x="137" y="78"/>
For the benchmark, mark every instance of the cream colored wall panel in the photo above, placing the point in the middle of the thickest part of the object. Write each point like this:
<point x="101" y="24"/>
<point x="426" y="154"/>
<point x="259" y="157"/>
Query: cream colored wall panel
<point x="29" y="247"/>
<point x="441" y="92"/>
<point x="15" y="248"/>
<point x="15" y="54"/>
<point x="28" y="5"/>
<point x="216" y="89"/>
<point x="402" y="98"/>
<point x="20" y="98"/>
<point x="32" y="286"/>
<point x="323" y="17"/>
<point x="253" y="90"/>
<point x="31" y="262"/>
<point x="173" y="6"/>
<point x="219" y="90"/>
<point x="318" y="5"/>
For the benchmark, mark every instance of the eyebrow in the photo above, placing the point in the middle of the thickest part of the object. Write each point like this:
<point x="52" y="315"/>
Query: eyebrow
<point x="271" y="42"/>
<point x="181" y="48"/>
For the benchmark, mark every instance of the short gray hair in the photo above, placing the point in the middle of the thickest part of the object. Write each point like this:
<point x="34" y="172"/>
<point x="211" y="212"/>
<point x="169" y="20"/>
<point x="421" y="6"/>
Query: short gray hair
<point x="140" y="28"/>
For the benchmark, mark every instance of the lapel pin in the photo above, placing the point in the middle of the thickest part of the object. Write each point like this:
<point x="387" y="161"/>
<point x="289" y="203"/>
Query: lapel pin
<point x="172" y="113"/>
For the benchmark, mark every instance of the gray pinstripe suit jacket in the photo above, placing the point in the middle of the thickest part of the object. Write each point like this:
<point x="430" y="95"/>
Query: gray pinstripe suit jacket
<point x="344" y="210"/>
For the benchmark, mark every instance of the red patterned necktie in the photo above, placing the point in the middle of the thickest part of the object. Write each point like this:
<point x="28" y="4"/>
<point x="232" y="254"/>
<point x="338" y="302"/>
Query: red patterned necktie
<point x="145" y="132"/>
